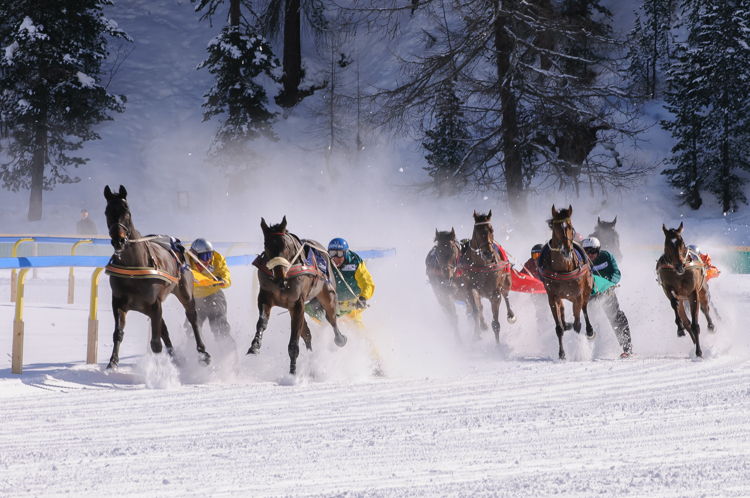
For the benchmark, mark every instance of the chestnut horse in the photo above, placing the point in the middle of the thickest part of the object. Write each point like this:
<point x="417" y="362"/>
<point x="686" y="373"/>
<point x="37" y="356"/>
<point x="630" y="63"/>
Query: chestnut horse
<point x="442" y="266"/>
<point x="487" y="273"/>
<point x="566" y="274"/>
<point x="285" y="281"/>
<point x="142" y="275"/>
<point x="682" y="276"/>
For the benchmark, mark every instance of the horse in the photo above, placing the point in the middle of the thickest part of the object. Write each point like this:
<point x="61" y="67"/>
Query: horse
<point x="682" y="276"/>
<point x="142" y="275"/>
<point x="566" y="273"/>
<point x="608" y="236"/>
<point x="289" y="284"/>
<point x="448" y="286"/>
<point x="487" y="273"/>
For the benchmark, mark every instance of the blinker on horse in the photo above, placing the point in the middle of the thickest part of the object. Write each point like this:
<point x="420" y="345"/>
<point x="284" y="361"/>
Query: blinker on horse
<point x="287" y="282"/>
<point x="142" y="275"/>
<point x="682" y="276"/>
<point x="566" y="274"/>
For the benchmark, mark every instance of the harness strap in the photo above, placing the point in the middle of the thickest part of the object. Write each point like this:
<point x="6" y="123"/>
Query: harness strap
<point x="138" y="272"/>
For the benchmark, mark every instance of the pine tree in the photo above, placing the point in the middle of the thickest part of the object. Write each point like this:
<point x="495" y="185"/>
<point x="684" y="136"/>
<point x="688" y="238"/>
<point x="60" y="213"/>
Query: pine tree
<point x="238" y="57"/>
<point x="51" y="95"/>
<point x="651" y="44"/>
<point x="446" y="144"/>
<point x="712" y="112"/>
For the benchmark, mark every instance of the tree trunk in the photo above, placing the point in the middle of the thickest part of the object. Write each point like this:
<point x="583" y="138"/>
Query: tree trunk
<point x="234" y="13"/>
<point x="292" y="56"/>
<point x="37" y="169"/>
<point x="511" y="150"/>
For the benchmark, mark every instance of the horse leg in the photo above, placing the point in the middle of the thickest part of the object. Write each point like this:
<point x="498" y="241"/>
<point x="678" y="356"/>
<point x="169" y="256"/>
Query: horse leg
<point x="119" y="333"/>
<point x="589" y="328"/>
<point x="495" y="304"/>
<point x="264" y="311"/>
<point x="446" y="301"/>
<point x="680" y="317"/>
<point x="565" y="325"/>
<point x="511" y="316"/>
<point x="165" y="337"/>
<point x="695" y="328"/>
<point x="185" y="296"/>
<point x="480" y="313"/>
<point x="306" y="335"/>
<point x="328" y="298"/>
<point x="474" y="302"/>
<point x="297" y="312"/>
<point x="555" y="305"/>
<point x="155" y="315"/>
<point x="704" y="301"/>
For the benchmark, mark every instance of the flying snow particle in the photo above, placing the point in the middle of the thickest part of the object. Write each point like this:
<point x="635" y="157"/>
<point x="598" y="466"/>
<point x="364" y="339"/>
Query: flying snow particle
<point x="401" y="170"/>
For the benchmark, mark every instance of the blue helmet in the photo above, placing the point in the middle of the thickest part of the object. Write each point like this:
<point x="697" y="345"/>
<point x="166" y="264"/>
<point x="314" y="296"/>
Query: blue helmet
<point x="338" y="243"/>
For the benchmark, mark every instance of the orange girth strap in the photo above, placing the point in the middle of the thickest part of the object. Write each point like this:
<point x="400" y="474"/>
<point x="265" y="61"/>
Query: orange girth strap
<point x="138" y="272"/>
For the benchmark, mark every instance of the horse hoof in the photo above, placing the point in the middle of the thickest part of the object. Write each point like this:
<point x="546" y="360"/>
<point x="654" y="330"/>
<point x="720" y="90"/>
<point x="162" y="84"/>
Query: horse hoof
<point x="253" y="350"/>
<point x="680" y="332"/>
<point x="340" y="340"/>
<point x="204" y="358"/>
<point x="512" y="319"/>
<point x="712" y="329"/>
<point x="590" y="334"/>
<point x="112" y="366"/>
<point x="484" y="326"/>
<point x="567" y="326"/>
<point x="562" y="356"/>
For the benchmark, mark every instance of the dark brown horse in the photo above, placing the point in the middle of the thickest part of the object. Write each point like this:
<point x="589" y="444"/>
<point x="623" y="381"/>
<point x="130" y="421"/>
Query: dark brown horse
<point x="487" y="273"/>
<point x="682" y="276"/>
<point x="142" y="275"/>
<point x="442" y="269"/>
<point x="287" y="283"/>
<point x="566" y="274"/>
<point x="608" y="236"/>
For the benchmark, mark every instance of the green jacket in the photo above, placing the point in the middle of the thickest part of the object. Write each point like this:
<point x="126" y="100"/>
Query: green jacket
<point x="606" y="272"/>
<point x="357" y="277"/>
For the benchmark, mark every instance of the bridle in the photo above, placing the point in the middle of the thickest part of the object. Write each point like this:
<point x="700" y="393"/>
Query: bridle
<point x="478" y="250"/>
<point x="564" y="221"/>
<point x="451" y="265"/>
<point x="279" y="260"/>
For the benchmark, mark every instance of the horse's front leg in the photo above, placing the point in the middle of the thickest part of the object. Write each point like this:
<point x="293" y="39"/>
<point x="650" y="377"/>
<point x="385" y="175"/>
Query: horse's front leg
<point x="264" y="311"/>
<point x="589" y="328"/>
<point x="119" y="312"/>
<point x="297" y="312"/>
<point x="474" y="302"/>
<point x="695" y="328"/>
<point x="155" y="314"/>
<point x="555" y="305"/>
<point x="329" y="299"/>
<point x="495" y="305"/>
<point x="511" y="315"/>
<point x="676" y="305"/>
<point x="184" y="293"/>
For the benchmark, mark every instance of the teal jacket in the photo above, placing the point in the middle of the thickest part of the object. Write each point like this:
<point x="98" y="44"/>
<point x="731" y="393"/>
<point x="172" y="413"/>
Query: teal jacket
<point x="606" y="272"/>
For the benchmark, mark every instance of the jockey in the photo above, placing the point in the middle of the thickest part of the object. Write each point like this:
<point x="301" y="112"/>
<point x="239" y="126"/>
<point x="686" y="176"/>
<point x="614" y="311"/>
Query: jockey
<point x="606" y="275"/>
<point x="531" y="266"/>
<point x="211" y="274"/>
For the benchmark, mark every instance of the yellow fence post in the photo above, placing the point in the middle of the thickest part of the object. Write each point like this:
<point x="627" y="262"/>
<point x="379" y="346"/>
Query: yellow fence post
<point x="13" y="274"/>
<point x="71" y="277"/>
<point x="17" y="359"/>
<point x="93" y="338"/>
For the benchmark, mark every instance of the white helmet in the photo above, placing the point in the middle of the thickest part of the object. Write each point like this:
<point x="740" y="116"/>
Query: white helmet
<point x="201" y="245"/>
<point x="592" y="242"/>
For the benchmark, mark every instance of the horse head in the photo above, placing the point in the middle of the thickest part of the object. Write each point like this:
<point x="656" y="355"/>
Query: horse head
<point x="482" y="239"/>
<point x="447" y="250"/>
<point x="608" y="236"/>
<point x="278" y="247"/>
<point x="119" y="221"/>
<point x="675" y="250"/>
<point x="563" y="232"/>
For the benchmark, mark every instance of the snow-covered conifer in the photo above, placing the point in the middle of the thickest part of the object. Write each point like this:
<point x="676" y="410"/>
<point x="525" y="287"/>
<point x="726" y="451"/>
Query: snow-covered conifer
<point x="51" y="95"/>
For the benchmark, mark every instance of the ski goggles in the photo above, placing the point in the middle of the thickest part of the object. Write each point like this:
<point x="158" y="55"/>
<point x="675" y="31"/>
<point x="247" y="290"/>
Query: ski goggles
<point x="535" y="255"/>
<point x="206" y="256"/>
<point x="337" y="253"/>
<point x="591" y="250"/>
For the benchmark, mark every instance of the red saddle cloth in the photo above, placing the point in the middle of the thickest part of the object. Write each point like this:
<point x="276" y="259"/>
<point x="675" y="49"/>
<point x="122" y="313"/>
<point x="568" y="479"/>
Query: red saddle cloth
<point x="523" y="282"/>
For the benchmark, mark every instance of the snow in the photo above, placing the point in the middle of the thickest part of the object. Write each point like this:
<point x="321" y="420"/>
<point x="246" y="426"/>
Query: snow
<point x="446" y="419"/>
<point x="85" y="80"/>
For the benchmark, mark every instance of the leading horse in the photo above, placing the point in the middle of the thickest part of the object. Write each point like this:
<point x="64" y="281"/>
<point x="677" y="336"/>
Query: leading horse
<point x="487" y="273"/>
<point x="142" y="275"/>
<point x="682" y="276"/>
<point x="289" y="284"/>
<point x="566" y="274"/>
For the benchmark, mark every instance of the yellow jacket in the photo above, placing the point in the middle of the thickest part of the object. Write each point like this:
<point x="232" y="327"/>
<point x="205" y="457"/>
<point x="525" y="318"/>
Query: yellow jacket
<point x="204" y="284"/>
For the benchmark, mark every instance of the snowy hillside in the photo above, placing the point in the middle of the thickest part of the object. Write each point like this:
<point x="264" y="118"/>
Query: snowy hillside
<point x="446" y="419"/>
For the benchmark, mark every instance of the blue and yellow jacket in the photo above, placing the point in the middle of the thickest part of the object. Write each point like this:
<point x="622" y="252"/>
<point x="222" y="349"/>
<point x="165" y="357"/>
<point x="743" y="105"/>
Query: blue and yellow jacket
<point x="205" y="285"/>
<point x="356" y="275"/>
